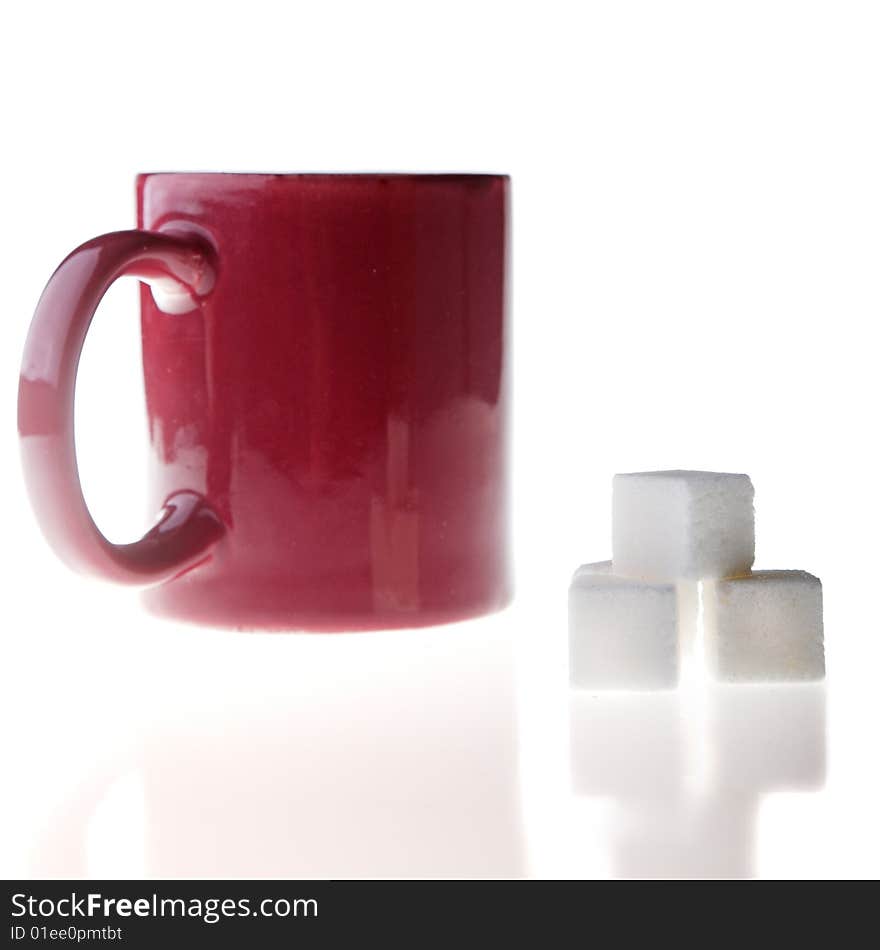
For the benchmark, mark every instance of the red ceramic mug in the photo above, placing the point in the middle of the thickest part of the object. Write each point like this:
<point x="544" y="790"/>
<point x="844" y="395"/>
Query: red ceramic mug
<point x="327" y="391"/>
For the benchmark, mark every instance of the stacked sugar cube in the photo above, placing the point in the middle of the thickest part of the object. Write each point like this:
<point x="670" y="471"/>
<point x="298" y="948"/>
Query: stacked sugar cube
<point x="630" y="618"/>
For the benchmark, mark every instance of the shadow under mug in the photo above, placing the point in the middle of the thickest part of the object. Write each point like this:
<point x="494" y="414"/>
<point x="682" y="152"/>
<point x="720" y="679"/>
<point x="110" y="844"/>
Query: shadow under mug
<point x="327" y="395"/>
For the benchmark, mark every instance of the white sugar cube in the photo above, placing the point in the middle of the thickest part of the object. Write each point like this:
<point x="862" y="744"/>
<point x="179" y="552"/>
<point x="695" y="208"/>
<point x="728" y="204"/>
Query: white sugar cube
<point x="683" y="525"/>
<point x="598" y="567"/>
<point x="765" y="627"/>
<point x="622" y="632"/>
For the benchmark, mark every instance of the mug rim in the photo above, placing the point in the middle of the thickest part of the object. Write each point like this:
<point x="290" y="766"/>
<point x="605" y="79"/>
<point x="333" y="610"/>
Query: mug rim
<point x="317" y="176"/>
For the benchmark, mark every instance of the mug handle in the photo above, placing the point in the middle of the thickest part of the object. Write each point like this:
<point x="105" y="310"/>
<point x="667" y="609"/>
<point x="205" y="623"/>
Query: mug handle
<point x="181" y="270"/>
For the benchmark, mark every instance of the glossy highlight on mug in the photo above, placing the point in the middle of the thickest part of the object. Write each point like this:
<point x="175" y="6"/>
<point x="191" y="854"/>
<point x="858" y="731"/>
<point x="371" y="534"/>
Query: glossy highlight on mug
<point x="328" y="404"/>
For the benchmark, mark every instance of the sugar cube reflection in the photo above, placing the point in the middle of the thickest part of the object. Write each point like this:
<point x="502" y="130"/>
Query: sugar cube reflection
<point x="686" y="771"/>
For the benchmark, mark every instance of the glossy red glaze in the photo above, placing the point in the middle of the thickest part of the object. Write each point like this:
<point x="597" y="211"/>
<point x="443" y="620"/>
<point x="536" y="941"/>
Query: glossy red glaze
<point x="186" y="528"/>
<point x="328" y="418"/>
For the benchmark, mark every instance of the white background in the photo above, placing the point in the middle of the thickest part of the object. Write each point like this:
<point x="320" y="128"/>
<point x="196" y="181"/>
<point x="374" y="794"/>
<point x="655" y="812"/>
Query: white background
<point x="696" y="285"/>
